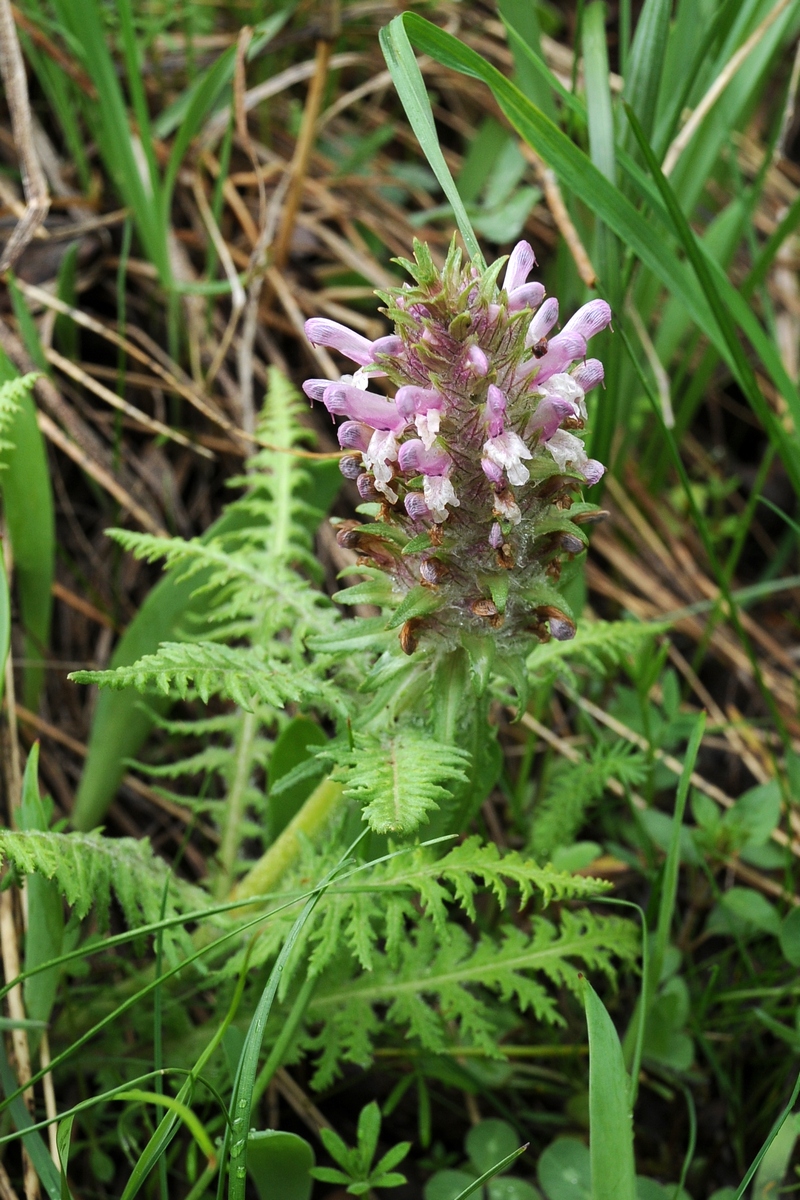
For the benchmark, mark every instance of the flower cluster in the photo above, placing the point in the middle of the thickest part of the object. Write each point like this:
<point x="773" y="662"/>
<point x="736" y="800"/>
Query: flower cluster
<point x="473" y="465"/>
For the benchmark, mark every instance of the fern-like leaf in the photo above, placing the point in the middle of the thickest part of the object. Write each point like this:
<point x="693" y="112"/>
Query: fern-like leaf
<point x="399" y="779"/>
<point x="245" y="675"/>
<point x="88" y="869"/>
<point x="572" y="787"/>
<point x="438" y="990"/>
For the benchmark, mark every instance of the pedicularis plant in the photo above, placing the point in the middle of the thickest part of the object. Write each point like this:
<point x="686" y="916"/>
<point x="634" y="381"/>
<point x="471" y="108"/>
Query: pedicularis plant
<point x="469" y="464"/>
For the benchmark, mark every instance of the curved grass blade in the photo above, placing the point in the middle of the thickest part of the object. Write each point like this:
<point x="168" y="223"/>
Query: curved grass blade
<point x="408" y="80"/>
<point x="477" y="1184"/>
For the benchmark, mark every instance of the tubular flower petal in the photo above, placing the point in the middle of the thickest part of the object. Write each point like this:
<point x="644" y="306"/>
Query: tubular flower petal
<point x="321" y="332"/>
<point x="344" y="400"/>
<point x="475" y="448"/>
<point x="543" y="322"/>
<point x="521" y="262"/>
<point x="417" y="458"/>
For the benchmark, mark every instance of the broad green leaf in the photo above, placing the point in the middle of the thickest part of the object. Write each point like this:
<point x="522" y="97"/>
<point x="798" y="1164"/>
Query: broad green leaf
<point x="611" y="1123"/>
<point x="44" y="939"/>
<point x="775" y="1163"/>
<point x="789" y="937"/>
<point x="279" y="1165"/>
<point x="489" y="1141"/>
<point x="28" y="504"/>
<point x="565" y="1170"/>
<point x="63" y="1135"/>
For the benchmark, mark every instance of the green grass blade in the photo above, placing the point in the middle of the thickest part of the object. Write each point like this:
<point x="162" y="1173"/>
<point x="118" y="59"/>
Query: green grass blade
<point x="525" y="19"/>
<point x="5" y="623"/>
<point x="410" y="86"/>
<point x="247" y="1070"/>
<point x="49" y="1176"/>
<point x="28" y="503"/>
<point x="598" y="93"/>
<point x="646" y="62"/>
<point x="108" y="117"/>
<point x="611" y="1123"/>
<point x="477" y="1184"/>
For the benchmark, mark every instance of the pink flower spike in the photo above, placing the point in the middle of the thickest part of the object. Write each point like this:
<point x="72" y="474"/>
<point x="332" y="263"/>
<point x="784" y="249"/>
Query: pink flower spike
<point x="411" y="400"/>
<point x="530" y="295"/>
<point x="314" y="388"/>
<point x="416" y="507"/>
<point x="592" y="471"/>
<point x="353" y="436"/>
<point x="521" y="262"/>
<point x="589" y="319"/>
<point x="322" y="332"/>
<point x="414" y="457"/>
<point x="477" y="361"/>
<point x="588" y="374"/>
<point x="543" y="322"/>
<point x="344" y="400"/>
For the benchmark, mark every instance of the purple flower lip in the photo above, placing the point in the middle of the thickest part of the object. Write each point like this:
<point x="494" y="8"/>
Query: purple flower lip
<point x="588" y="374"/>
<point x="315" y="388"/>
<point x="521" y="262"/>
<point x="416" y="507"/>
<point x="592" y="471"/>
<point x="353" y="436"/>
<point x="414" y="457"/>
<point x="412" y="400"/>
<point x="344" y="400"/>
<point x="550" y="412"/>
<point x="530" y="295"/>
<point x="590" y="319"/>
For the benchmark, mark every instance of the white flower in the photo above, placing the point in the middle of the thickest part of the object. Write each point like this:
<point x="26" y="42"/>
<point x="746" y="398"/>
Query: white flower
<point x="360" y="379"/>
<point x="427" y="424"/>
<point x="507" y="451"/>
<point x="379" y="454"/>
<point x="438" y="491"/>
<point x="567" y="449"/>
